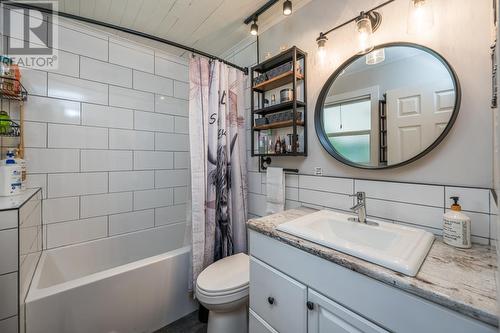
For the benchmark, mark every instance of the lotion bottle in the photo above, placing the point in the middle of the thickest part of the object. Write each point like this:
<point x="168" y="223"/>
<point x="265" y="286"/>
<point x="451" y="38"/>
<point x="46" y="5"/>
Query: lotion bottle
<point x="10" y="176"/>
<point x="457" y="227"/>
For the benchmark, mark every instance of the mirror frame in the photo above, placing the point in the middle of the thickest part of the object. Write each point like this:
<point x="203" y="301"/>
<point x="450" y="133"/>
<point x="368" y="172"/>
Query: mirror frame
<point x="318" y="114"/>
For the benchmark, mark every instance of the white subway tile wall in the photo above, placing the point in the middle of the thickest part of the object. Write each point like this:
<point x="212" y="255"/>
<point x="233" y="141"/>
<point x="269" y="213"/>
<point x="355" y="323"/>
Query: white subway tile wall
<point x="127" y="222"/>
<point x="410" y="204"/>
<point x="106" y="136"/>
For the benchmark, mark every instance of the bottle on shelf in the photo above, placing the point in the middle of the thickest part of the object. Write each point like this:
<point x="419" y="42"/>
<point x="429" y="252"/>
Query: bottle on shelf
<point x="277" y="146"/>
<point x="10" y="176"/>
<point x="22" y="163"/>
<point x="283" y="146"/>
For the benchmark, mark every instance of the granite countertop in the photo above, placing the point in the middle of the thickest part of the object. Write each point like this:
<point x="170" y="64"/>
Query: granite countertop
<point x="461" y="280"/>
<point x="16" y="201"/>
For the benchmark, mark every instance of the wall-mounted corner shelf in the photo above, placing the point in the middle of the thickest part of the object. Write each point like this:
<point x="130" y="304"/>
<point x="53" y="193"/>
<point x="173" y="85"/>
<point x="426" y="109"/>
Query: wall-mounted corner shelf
<point x="13" y="130"/>
<point x="11" y="89"/>
<point x="20" y="95"/>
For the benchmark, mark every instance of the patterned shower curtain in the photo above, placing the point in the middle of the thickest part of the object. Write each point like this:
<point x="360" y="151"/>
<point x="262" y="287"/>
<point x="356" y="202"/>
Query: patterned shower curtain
<point x="218" y="162"/>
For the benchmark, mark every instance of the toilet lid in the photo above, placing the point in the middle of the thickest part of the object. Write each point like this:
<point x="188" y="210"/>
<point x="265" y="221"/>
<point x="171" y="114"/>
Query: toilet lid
<point x="225" y="275"/>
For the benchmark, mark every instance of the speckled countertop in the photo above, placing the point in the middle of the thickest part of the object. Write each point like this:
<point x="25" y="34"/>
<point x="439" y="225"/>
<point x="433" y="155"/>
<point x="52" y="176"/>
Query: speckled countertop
<point x="461" y="280"/>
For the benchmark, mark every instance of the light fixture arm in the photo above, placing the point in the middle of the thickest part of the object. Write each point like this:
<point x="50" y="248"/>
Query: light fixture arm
<point x="372" y="14"/>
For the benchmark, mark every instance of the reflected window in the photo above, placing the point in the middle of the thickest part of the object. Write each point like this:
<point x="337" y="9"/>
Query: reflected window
<point x="348" y="127"/>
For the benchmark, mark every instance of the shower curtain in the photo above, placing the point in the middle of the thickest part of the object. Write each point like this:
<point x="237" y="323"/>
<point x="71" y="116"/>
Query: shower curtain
<point x="218" y="162"/>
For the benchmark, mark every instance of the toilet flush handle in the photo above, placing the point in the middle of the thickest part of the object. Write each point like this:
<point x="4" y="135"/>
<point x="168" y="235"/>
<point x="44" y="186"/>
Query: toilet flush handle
<point x="270" y="300"/>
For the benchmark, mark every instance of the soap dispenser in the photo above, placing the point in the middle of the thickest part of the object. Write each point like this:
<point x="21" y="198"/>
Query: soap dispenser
<point x="456" y="227"/>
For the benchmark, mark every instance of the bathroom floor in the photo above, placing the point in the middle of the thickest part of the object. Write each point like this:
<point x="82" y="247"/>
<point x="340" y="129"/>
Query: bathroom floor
<point x="187" y="324"/>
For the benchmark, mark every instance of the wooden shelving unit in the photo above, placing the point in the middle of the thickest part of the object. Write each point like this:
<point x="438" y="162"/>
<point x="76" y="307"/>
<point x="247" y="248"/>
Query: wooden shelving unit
<point x="295" y="78"/>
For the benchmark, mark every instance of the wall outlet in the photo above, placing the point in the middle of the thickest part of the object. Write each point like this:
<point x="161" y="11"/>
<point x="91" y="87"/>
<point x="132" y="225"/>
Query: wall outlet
<point x="318" y="171"/>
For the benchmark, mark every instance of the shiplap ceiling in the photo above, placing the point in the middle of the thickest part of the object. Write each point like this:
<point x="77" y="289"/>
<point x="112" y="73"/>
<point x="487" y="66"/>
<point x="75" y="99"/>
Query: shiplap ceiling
<point x="212" y="26"/>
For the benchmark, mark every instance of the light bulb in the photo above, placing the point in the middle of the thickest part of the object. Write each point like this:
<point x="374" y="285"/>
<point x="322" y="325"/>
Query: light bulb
<point x="365" y="33"/>
<point x="420" y="16"/>
<point x="321" y="40"/>
<point x="375" y="57"/>
<point x="287" y="8"/>
<point x="254" y="29"/>
<point x="321" y="52"/>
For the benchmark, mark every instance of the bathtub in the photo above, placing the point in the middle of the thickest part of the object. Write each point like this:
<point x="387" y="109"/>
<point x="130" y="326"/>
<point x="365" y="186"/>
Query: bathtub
<point x="136" y="282"/>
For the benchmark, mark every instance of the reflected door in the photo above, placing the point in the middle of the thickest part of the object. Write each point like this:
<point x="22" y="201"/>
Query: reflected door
<point x="415" y="117"/>
<point x="348" y="125"/>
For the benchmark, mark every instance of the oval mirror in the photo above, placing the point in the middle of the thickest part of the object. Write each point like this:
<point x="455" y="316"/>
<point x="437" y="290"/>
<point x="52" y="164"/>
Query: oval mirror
<point x="387" y="108"/>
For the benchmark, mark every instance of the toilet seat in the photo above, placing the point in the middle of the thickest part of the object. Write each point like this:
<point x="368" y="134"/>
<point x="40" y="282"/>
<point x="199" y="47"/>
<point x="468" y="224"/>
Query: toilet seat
<point x="221" y="298"/>
<point x="224" y="281"/>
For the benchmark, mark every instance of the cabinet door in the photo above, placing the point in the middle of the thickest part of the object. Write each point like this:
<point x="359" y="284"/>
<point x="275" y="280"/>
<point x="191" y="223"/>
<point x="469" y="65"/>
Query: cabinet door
<point x="278" y="299"/>
<point x="257" y="325"/>
<point x="327" y="316"/>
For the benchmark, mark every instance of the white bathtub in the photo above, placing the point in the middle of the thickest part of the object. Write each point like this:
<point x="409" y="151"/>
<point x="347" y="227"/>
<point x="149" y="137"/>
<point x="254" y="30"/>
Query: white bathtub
<point x="131" y="283"/>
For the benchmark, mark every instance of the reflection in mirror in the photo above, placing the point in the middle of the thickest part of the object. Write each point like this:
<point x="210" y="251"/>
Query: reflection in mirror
<point x="387" y="107"/>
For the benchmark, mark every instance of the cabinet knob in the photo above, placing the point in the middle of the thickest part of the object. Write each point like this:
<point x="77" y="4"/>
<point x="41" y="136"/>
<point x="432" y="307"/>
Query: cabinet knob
<point x="270" y="300"/>
<point x="310" y="305"/>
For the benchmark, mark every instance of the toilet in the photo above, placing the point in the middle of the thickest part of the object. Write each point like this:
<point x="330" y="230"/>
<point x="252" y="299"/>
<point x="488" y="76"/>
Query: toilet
<point x="222" y="288"/>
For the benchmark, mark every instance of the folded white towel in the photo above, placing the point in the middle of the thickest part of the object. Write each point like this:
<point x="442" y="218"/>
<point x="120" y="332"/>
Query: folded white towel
<point x="275" y="190"/>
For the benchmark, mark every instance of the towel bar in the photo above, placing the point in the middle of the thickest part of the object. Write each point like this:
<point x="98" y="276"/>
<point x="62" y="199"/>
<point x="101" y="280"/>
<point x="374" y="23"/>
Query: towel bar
<point x="265" y="161"/>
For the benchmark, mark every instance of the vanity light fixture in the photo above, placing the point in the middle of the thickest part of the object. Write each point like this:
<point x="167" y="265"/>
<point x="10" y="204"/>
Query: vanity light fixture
<point x="420" y="16"/>
<point x="321" y="40"/>
<point x="366" y="25"/>
<point x="287" y="8"/>
<point x="254" y="28"/>
<point x="375" y="57"/>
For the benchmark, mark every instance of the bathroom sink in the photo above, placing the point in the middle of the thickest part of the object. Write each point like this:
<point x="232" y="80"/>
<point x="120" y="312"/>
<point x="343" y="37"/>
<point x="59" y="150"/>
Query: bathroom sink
<point x="400" y="248"/>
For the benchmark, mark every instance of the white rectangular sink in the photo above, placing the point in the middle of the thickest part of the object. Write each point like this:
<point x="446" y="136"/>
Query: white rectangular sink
<point x="400" y="248"/>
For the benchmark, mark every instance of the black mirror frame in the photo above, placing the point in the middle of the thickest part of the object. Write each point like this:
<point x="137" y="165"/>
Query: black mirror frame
<point x="318" y="114"/>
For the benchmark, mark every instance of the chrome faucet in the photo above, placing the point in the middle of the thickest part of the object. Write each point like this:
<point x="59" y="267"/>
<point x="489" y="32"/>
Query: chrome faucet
<point x="360" y="206"/>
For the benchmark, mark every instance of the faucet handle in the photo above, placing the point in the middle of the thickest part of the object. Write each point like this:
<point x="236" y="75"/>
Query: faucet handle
<point x="359" y="195"/>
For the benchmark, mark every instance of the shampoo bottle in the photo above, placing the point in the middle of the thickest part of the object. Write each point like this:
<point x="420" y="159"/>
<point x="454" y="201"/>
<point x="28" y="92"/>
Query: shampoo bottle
<point x="22" y="164"/>
<point x="10" y="176"/>
<point x="456" y="227"/>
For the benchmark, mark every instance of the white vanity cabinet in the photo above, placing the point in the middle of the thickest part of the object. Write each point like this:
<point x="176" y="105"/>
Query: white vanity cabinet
<point x="293" y="291"/>
<point x="327" y="316"/>
<point x="278" y="303"/>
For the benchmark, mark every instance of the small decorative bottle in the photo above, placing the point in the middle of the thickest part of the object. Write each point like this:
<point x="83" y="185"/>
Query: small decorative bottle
<point x="283" y="146"/>
<point x="262" y="144"/>
<point x="290" y="143"/>
<point x="277" y="147"/>
<point x="270" y="147"/>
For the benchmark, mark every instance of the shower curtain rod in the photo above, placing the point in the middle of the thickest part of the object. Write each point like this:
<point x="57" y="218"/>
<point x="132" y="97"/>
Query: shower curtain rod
<point x="127" y="30"/>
